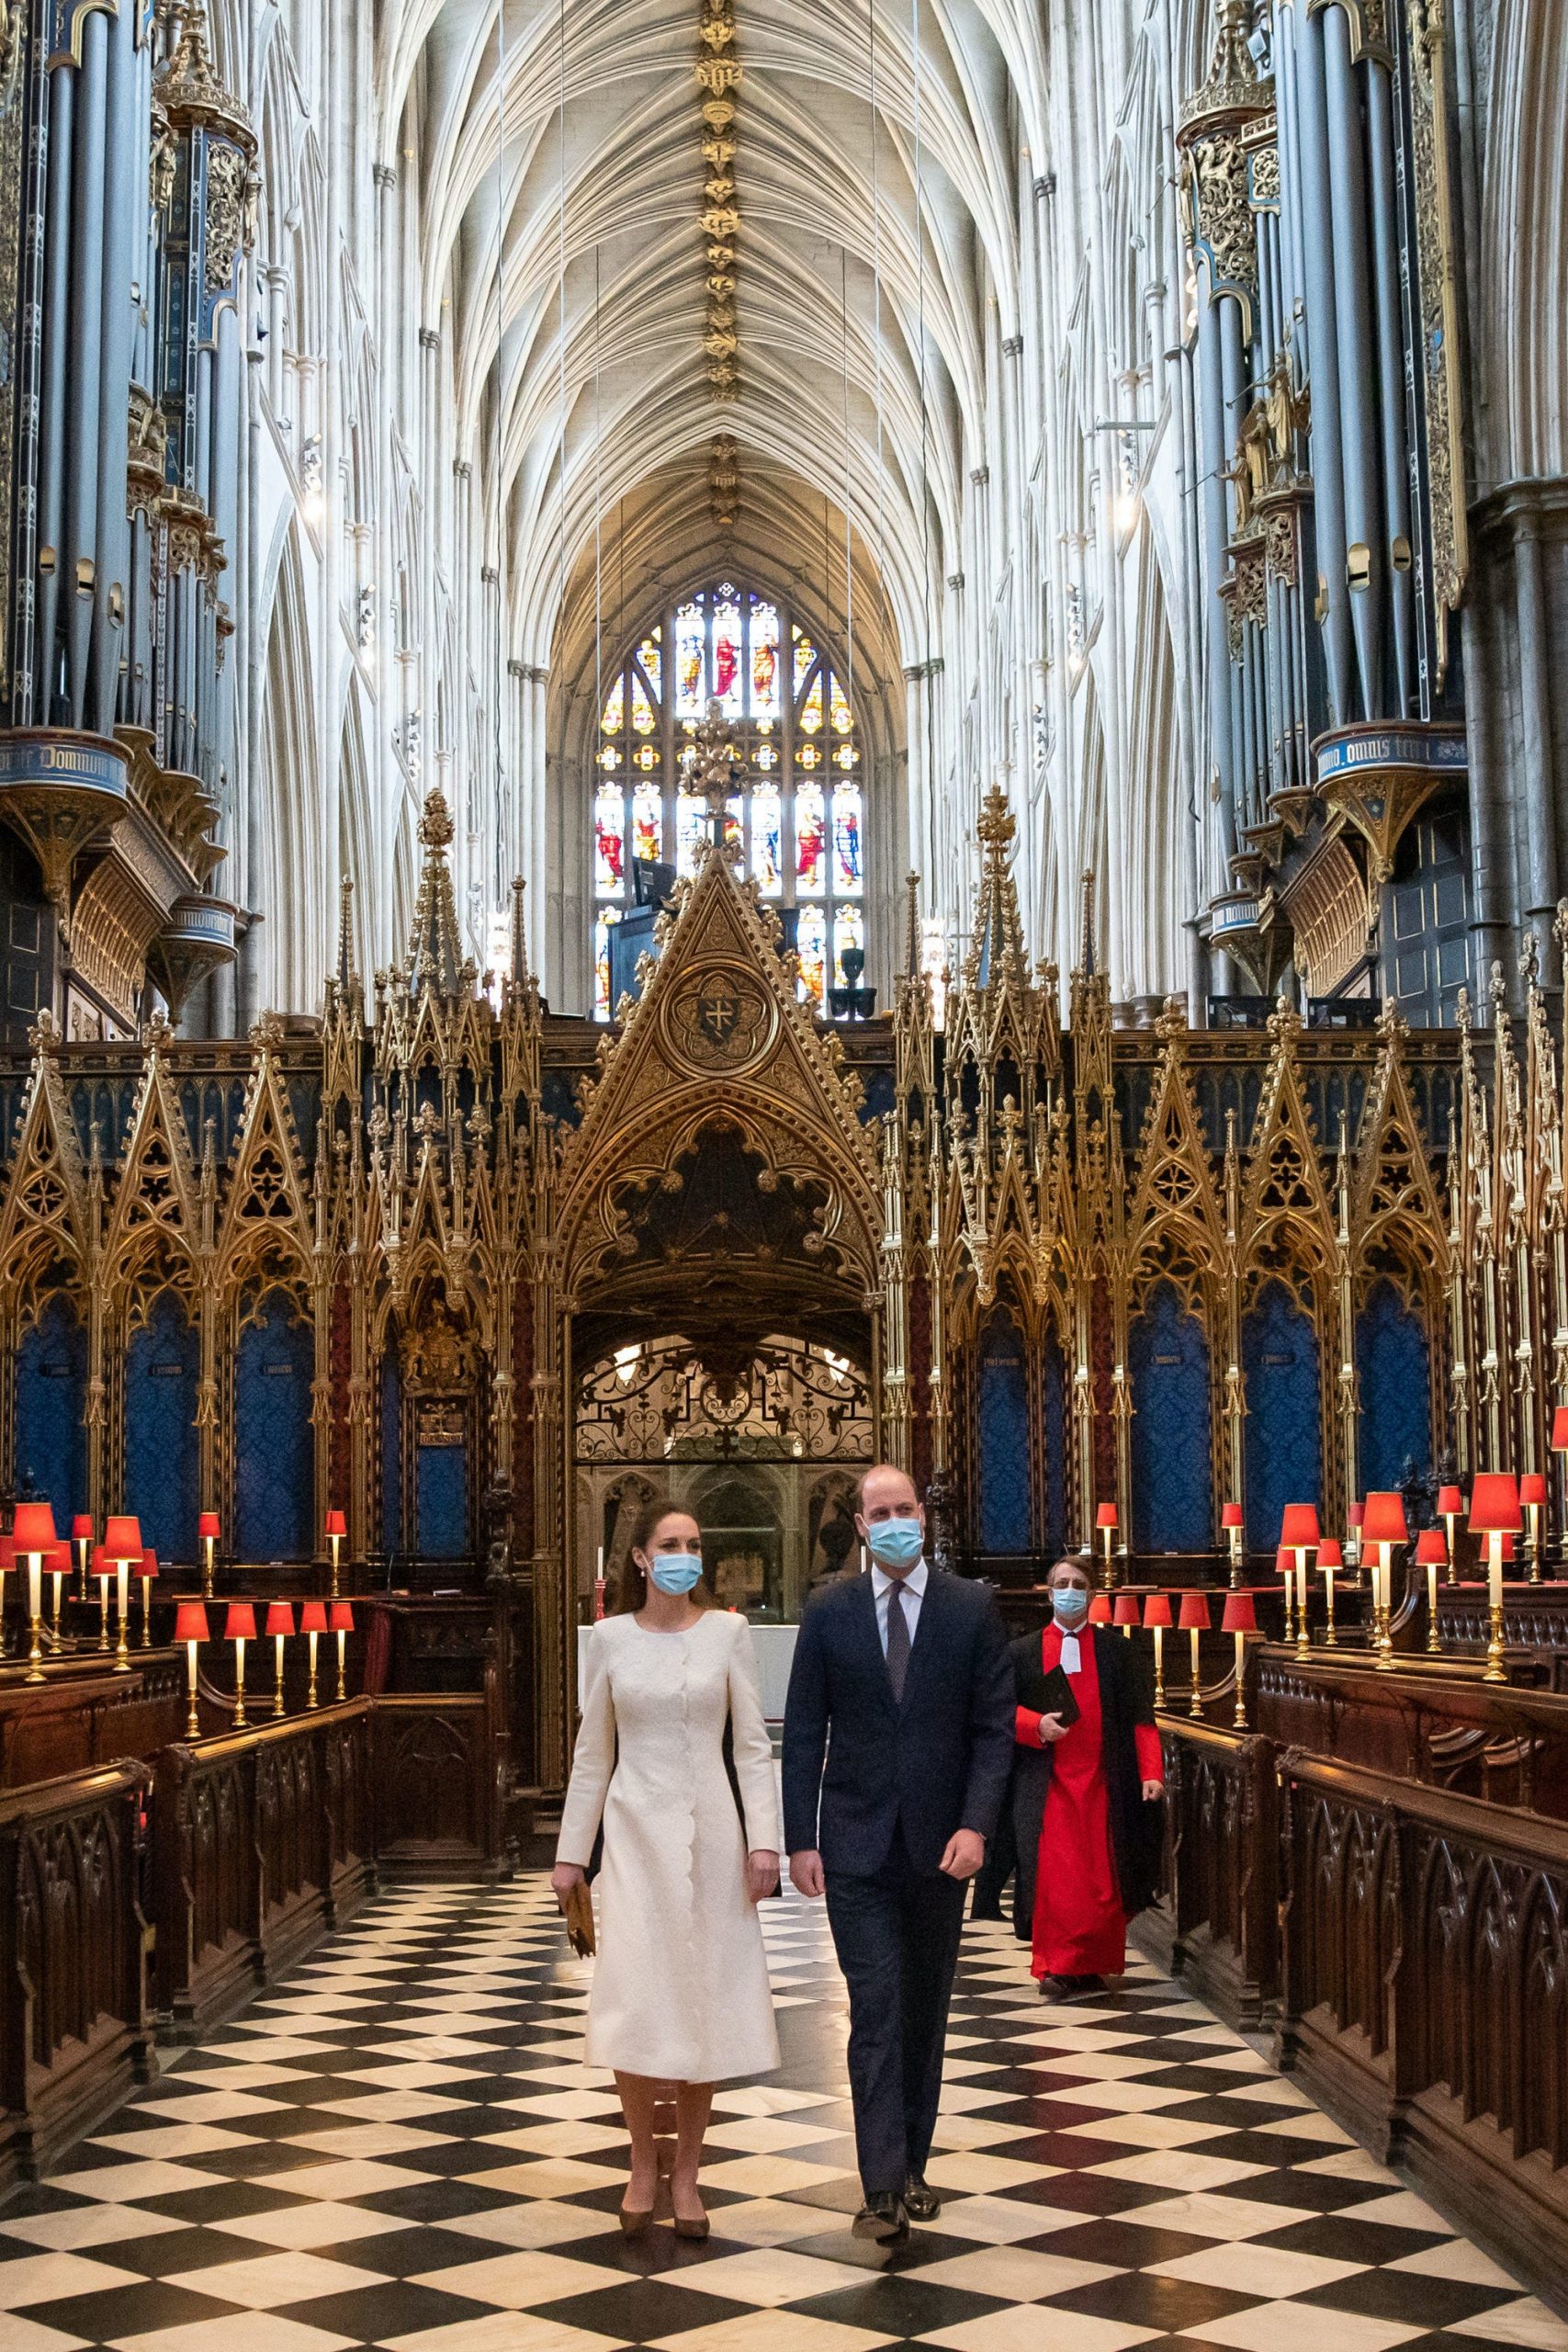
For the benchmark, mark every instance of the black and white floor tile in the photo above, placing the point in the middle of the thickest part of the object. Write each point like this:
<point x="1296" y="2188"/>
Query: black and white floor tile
<point x="401" y="2147"/>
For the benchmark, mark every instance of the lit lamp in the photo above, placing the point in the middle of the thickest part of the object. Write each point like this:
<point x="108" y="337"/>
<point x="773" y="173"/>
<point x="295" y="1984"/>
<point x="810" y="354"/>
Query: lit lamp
<point x="279" y="1624"/>
<point x="1355" y="1521"/>
<point x="32" y="1532"/>
<point x="207" y="1528"/>
<point x="1450" y="1510"/>
<point x="312" y="1621"/>
<point x="101" y="1570"/>
<point x="122" y="1544"/>
<point x="1194" y="1619"/>
<point x="1382" y="1527"/>
<point x="146" y="1569"/>
<point x="1431" y="1553"/>
<point x="58" y="1570"/>
<point x="1240" y="1619"/>
<point x="1494" y="1513"/>
<point x="1285" y="1561"/>
<point x="190" y="1627"/>
<point x="1105" y="1520"/>
<point x="1560" y="1434"/>
<point x="7" y="1562"/>
<point x="1532" y="1497"/>
<point x="337" y="1528"/>
<point x="341" y="1622"/>
<point x="1331" y="1560"/>
<point x="1100" y="1609"/>
<point x="240" y="1627"/>
<point x="1300" y="1533"/>
<point x="1156" y="1617"/>
<point x="1231" y="1521"/>
<point x="1125" y="1614"/>
<point x="82" y="1536"/>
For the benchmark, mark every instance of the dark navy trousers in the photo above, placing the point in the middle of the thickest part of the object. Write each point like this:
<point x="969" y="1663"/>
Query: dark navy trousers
<point x="896" y="1936"/>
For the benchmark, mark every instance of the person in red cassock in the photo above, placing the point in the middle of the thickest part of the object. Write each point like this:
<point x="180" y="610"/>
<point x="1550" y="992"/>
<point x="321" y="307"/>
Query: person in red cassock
<point x="1087" y="1794"/>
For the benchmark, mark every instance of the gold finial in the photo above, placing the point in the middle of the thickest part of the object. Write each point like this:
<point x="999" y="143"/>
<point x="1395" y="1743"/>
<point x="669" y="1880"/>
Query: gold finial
<point x="998" y="824"/>
<point x="435" y="826"/>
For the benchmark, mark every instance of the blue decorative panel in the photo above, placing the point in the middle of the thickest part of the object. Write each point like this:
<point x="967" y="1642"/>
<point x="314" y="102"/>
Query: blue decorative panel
<point x="51" y="1397"/>
<point x="1055" y="1386"/>
<point x="1397" y="1393"/>
<point x="163" y="1452"/>
<point x="1004" y="1438"/>
<point x="442" y="1498"/>
<point x="392" y="1453"/>
<point x="275" y="1451"/>
<point x="1284" y="1451"/>
<point x="1168" y="1363"/>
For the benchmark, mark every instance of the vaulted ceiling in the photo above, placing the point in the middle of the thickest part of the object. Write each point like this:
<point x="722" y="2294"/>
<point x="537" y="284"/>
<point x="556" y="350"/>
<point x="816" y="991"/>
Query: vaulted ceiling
<point x="880" y="147"/>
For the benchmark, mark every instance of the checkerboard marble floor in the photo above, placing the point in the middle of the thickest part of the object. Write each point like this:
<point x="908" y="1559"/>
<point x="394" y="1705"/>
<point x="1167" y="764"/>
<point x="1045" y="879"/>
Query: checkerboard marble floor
<point x="400" y="2146"/>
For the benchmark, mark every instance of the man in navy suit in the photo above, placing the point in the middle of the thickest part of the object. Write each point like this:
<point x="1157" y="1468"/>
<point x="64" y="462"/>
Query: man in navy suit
<point x="903" y="1683"/>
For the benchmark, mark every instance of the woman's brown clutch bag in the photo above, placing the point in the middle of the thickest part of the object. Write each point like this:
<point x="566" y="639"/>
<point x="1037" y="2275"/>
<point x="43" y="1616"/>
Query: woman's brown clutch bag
<point x="577" y="1906"/>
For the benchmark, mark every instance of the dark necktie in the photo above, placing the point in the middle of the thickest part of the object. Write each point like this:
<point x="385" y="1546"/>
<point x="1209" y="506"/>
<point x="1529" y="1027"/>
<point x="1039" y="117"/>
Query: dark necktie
<point x="897" y="1640"/>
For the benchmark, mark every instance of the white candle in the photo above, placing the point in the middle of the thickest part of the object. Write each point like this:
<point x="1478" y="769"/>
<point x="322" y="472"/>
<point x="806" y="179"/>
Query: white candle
<point x="35" y="1584"/>
<point x="1494" y="1570"/>
<point x="1432" y="1591"/>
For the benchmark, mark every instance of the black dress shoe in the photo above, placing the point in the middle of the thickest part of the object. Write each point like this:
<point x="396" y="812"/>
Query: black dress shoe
<point x="1059" y="1988"/>
<point x="921" y="2202"/>
<point x="885" y="2217"/>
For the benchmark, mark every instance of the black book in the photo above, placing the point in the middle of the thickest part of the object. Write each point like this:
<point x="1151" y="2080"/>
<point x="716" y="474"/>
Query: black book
<point x="1059" y="1699"/>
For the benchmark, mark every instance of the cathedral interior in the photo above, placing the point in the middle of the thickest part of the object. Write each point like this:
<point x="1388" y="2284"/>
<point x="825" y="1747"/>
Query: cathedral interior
<point x="739" y="740"/>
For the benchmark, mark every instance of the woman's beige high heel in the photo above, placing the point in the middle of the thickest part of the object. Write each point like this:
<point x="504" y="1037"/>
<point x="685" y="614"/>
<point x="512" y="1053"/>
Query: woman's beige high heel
<point x="696" y="2228"/>
<point x="635" y="2220"/>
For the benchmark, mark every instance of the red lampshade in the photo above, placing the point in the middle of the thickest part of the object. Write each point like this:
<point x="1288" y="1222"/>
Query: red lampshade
<point x="1560" y="1429"/>
<point x="1240" y="1616"/>
<point x="1125" y="1612"/>
<point x="33" y="1528"/>
<point x="336" y="1524"/>
<point x="1450" y="1503"/>
<point x="1431" y="1548"/>
<point x="1300" y="1529"/>
<point x="147" y="1565"/>
<point x="1384" y="1521"/>
<point x="1329" y="1555"/>
<point x="100" y="1560"/>
<point x="341" y="1620"/>
<point x="279" y="1617"/>
<point x="122" y="1539"/>
<point x="240" y="1624"/>
<point x="1156" y="1609"/>
<point x="207" y="1525"/>
<point x="314" y="1617"/>
<point x="1106" y="1515"/>
<point x="1232" y="1516"/>
<point x="1100" y="1610"/>
<point x="7" y="1551"/>
<point x="1494" y="1504"/>
<point x="1285" y="1560"/>
<point x="81" y="1525"/>
<point x="1354" y="1514"/>
<point x="190" y="1621"/>
<point x="1532" y="1487"/>
<point x="1194" y="1611"/>
<point x="59" y="1558"/>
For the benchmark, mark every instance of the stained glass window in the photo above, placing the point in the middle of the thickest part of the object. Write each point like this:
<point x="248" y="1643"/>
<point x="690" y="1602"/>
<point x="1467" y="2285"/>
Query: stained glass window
<point x="799" y="819"/>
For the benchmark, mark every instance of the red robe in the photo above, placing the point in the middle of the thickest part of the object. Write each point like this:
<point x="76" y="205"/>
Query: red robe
<point x="1081" y="1928"/>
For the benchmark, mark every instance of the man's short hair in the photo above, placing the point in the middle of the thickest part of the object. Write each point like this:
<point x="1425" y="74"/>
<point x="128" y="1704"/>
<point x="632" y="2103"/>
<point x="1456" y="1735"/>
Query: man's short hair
<point x="870" y="1472"/>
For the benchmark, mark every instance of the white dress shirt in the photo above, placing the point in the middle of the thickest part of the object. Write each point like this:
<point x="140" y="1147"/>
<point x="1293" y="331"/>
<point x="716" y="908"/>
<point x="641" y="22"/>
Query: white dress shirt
<point x="914" y="1585"/>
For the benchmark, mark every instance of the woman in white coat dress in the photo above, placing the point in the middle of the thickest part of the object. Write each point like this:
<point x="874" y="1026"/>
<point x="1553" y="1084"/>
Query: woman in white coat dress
<point x="680" y="1982"/>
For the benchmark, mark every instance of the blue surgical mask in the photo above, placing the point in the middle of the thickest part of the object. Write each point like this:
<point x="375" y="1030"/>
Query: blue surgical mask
<point x="676" y="1571"/>
<point x="896" y="1542"/>
<point x="1071" y="1604"/>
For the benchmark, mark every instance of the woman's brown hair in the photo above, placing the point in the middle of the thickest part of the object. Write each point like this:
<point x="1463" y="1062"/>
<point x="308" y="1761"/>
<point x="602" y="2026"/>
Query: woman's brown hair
<point x="631" y="1585"/>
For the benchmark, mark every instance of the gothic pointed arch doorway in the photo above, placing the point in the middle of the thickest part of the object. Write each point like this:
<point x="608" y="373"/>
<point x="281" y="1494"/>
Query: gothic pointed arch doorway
<point x="714" y="1327"/>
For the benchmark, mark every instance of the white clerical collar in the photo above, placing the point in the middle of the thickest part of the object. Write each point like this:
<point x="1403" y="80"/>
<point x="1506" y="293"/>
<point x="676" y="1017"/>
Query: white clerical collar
<point x="914" y="1582"/>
